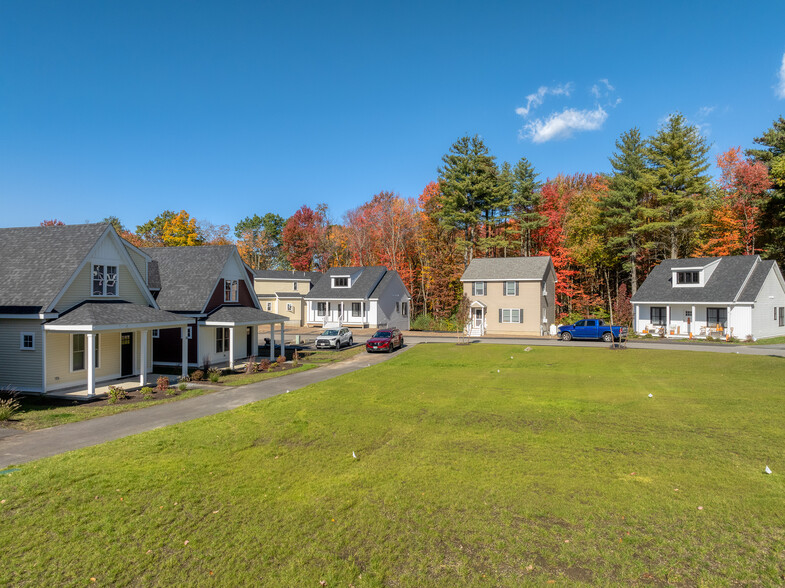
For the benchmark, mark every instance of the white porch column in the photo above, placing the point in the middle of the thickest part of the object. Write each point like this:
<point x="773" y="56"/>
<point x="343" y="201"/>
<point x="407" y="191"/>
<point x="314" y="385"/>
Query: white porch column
<point x="43" y="360"/>
<point x="694" y="316"/>
<point x="272" y="342"/>
<point x="90" y="361"/>
<point x="636" y="328"/>
<point x="184" y="335"/>
<point x="142" y="358"/>
<point x="727" y="323"/>
<point x="231" y="348"/>
<point x="283" y="344"/>
<point x="667" y="319"/>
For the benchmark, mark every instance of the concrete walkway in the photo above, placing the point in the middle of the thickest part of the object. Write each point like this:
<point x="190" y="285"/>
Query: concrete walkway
<point x="22" y="446"/>
<point x="19" y="447"/>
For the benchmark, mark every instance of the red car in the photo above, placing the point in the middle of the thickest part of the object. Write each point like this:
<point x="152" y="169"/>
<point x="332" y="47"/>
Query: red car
<point x="385" y="340"/>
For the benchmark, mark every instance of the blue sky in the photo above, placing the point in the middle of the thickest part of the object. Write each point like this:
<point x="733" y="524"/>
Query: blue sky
<point x="226" y="109"/>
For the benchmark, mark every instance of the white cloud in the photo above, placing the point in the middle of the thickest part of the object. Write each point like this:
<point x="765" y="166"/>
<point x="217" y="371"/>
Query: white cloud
<point x="563" y="124"/>
<point x="599" y="92"/>
<point x="780" y="89"/>
<point x="536" y="99"/>
<point x="705" y="111"/>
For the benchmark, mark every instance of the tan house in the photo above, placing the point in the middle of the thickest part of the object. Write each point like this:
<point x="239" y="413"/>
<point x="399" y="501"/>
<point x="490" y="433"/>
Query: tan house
<point x="283" y="292"/>
<point x="510" y="295"/>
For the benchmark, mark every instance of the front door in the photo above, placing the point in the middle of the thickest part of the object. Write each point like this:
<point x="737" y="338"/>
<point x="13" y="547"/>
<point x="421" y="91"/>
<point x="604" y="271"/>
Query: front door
<point x="478" y="318"/>
<point x="249" y="341"/>
<point x="126" y="354"/>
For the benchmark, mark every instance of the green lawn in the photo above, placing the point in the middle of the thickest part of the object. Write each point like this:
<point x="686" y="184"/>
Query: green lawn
<point x="478" y="465"/>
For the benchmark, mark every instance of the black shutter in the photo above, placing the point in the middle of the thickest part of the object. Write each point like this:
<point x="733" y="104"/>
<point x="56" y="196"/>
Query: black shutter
<point x="520" y="315"/>
<point x="500" y="316"/>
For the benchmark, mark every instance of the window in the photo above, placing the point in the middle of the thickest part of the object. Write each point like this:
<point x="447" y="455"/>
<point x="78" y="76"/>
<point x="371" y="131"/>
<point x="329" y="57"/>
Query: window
<point x="478" y="288"/>
<point x="544" y="290"/>
<point x="775" y="313"/>
<point x="658" y="315"/>
<point x="510" y="315"/>
<point x="77" y="352"/>
<point x="321" y="308"/>
<point x="717" y="316"/>
<point x="357" y="309"/>
<point x="156" y="333"/>
<point x="294" y="286"/>
<point x="397" y="306"/>
<point x="230" y="290"/>
<point x="405" y="308"/>
<point x="782" y="316"/>
<point x="688" y="277"/>
<point x="189" y="332"/>
<point x="27" y="341"/>
<point x="340" y="282"/>
<point x="289" y="307"/>
<point x="510" y="288"/>
<point x="269" y="306"/>
<point x="104" y="280"/>
<point x="221" y="339"/>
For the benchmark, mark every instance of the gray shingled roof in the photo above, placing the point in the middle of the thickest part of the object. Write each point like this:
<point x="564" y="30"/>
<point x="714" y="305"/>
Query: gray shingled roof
<point x="724" y="285"/>
<point x="117" y="314"/>
<point x="187" y="275"/>
<point x="244" y="315"/>
<point x="313" y="277"/>
<point x="755" y="283"/>
<point x="388" y="277"/>
<point x="507" y="268"/>
<point x="37" y="262"/>
<point x="361" y="289"/>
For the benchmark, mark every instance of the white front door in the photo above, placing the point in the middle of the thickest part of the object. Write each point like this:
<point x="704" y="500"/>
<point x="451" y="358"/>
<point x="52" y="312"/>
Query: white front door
<point x="478" y="318"/>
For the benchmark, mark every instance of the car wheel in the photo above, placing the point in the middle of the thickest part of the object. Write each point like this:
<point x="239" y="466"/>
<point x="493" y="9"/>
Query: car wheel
<point x="338" y="345"/>
<point x="401" y="345"/>
<point x="565" y="336"/>
<point x="391" y="347"/>
<point x="607" y="337"/>
<point x="351" y="341"/>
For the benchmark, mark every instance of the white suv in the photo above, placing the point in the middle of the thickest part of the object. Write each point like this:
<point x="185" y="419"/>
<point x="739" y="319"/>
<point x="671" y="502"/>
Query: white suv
<point x="335" y="337"/>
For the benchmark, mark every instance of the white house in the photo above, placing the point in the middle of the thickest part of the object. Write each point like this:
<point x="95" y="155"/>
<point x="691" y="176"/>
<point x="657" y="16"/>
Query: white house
<point x="739" y="296"/>
<point x="370" y="296"/>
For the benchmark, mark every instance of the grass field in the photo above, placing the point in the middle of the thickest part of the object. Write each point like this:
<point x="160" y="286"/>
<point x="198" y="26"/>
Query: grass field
<point x="478" y="465"/>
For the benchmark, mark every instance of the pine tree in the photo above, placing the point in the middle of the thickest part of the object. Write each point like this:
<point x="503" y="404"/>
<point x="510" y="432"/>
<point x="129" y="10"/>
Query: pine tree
<point x="677" y="161"/>
<point x="622" y="207"/>
<point x="525" y="205"/>
<point x="469" y="184"/>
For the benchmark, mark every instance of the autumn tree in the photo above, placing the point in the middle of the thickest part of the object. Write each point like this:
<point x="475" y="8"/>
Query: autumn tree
<point x="52" y="223"/>
<point x="304" y="238"/>
<point x="116" y="224"/>
<point x="170" y="229"/>
<point x="622" y="208"/>
<point x="259" y="241"/>
<point x="469" y="183"/>
<point x="213" y="234"/>
<point x="677" y="161"/>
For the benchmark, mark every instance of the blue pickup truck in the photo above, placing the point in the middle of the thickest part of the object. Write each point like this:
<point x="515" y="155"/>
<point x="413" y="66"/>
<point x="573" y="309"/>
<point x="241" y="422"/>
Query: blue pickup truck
<point x="591" y="329"/>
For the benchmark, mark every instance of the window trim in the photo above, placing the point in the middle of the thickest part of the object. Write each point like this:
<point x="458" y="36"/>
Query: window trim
<point x="231" y="290"/>
<point x="289" y="307"/>
<point x="719" y="311"/>
<point x="405" y="308"/>
<point x="509" y="312"/>
<point x="476" y="290"/>
<point x="359" y="312"/>
<point x="294" y="286"/>
<point x="507" y="284"/>
<point x="321" y="309"/>
<point x="189" y="332"/>
<point x="222" y="337"/>
<point x="782" y="316"/>
<point x="347" y="279"/>
<point x="22" y="336"/>
<point x="156" y="333"/>
<point x="104" y="271"/>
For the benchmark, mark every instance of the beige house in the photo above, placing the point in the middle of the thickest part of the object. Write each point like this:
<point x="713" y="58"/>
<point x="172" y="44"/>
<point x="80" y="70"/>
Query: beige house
<point x="283" y="292"/>
<point x="510" y="295"/>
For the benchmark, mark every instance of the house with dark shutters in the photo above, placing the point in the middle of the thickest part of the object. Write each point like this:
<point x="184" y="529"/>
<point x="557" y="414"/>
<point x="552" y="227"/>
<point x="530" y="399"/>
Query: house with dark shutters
<point x="283" y="292"/>
<point x="738" y="296"/>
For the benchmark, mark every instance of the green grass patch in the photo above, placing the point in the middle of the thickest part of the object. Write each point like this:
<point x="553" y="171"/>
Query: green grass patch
<point x="478" y="465"/>
<point x="40" y="413"/>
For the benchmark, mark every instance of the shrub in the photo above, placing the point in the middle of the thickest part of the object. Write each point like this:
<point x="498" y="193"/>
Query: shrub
<point x="182" y="386"/>
<point x="9" y="403"/>
<point x="250" y="367"/>
<point x="183" y="379"/>
<point x="213" y="375"/>
<point x="280" y="361"/>
<point x="197" y="375"/>
<point x="264" y="365"/>
<point x="162" y="384"/>
<point x="296" y="358"/>
<point x="750" y="339"/>
<point x="116" y="393"/>
<point x="147" y="392"/>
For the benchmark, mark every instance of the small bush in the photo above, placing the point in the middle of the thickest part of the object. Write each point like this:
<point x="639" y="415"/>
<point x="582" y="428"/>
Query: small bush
<point x="264" y="365"/>
<point x="147" y="392"/>
<point x="162" y="384"/>
<point x="116" y="393"/>
<point x="9" y="403"/>
<point x="197" y="375"/>
<point x="280" y="361"/>
<point x="296" y="358"/>
<point x="182" y="386"/>
<point x="250" y="367"/>
<point x="214" y="375"/>
<point x="709" y="338"/>
<point x="183" y="379"/>
<point x="750" y="339"/>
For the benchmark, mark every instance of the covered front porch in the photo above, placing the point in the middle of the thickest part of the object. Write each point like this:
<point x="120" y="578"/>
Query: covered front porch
<point x="350" y="313"/>
<point x="236" y="331"/>
<point x="693" y="321"/>
<point x="98" y="343"/>
<point x="477" y="323"/>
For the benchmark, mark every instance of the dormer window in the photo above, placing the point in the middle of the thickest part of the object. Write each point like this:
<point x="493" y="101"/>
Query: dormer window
<point x="340" y="282"/>
<point x="688" y="277"/>
<point x="104" y="280"/>
<point x="230" y="290"/>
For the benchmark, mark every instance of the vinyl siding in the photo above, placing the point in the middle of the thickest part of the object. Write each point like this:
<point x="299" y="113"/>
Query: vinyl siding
<point x="58" y="360"/>
<point x="771" y="295"/>
<point x="80" y="288"/>
<point x="138" y="262"/>
<point x="20" y="369"/>
<point x="529" y="299"/>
